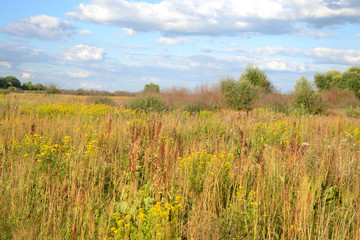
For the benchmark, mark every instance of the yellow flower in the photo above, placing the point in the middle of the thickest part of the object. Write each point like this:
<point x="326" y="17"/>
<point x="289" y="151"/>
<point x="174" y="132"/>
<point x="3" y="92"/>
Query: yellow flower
<point x="26" y="155"/>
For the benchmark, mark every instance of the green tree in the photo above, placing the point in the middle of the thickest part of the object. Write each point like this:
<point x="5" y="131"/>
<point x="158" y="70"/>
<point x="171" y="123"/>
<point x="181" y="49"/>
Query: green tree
<point x="12" y="82"/>
<point x="352" y="80"/>
<point x="237" y="94"/>
<point x="306" y="99"/>
<point x="151" y="88"/>
<point x="327" y="80"/>
<point x="3" y="83"/>
<point x="257" y="77"/>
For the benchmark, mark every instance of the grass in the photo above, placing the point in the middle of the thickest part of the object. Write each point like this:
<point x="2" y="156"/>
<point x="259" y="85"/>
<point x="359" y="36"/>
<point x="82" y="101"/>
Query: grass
<point x="70" y="169"/>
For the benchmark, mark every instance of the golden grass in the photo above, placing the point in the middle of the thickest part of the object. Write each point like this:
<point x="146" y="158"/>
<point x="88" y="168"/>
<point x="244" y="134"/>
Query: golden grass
<point x="73" y="170"/>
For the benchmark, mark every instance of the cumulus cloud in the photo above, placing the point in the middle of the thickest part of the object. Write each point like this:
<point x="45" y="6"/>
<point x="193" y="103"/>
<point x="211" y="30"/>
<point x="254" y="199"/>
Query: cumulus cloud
<point x="218" y="17"/>
<point x="5" y="64"/>
<point x="77" y="74"/>
<point x="28" y="74"/>
<point x="84" y="53"/>
<point x="41" y="27"/>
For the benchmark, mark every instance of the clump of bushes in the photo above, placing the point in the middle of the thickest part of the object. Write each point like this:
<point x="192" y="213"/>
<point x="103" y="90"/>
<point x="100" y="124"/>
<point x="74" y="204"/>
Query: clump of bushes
<point x="148" y="103"/>
<point x="237" y="94"/>
<point x="306" y="99"/>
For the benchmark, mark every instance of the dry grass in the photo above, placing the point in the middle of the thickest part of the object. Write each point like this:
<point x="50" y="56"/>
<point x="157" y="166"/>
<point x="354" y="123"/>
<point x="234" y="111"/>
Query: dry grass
<point x="70" y="170"/>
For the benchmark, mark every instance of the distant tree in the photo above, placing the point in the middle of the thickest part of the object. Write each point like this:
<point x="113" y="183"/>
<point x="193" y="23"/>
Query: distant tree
<point x="306" y="99"/>
<point x="257" y="77"/>
<point x="27" y="86"/>
<point x="3" y="83"/>
<point x="352" y="80"/>
<point x="12" y="82"/>
<point x="39" y="87"/>
<point x="151" y="88"/>
<point x="237" y="94"/>
<point x="327" y="80"/>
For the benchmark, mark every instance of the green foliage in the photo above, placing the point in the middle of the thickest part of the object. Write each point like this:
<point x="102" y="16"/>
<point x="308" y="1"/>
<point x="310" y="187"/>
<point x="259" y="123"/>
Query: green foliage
<point x="328" y="80"/>
<point x="352" y="79"/>
<point x="151" y="88"/>
<point x="257" y="77"/>
<point x="237" y="94"/>
<point x="52" y="90"/>
<point x="148" y="103"/>
<point x="9" y="81"/>
<point x="104" y="100"/>
<point x="306" y="100"/>
<point x="30" y="86"/>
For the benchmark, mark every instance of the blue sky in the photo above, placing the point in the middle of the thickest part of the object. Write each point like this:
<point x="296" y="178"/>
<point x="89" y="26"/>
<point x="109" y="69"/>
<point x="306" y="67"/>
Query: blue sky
<point x="122" y="45"/>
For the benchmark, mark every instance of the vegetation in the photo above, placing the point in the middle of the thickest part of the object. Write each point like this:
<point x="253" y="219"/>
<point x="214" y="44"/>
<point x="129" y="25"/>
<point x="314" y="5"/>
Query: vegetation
<point x="237" y="94"/>
<point x="349" y="80"/>
<point x="151" y="88"/>
<point x="76" y="170"/>
<point x="148" y="103"/>
<point x="257" y="77"/>
<point x="306" y="99"/>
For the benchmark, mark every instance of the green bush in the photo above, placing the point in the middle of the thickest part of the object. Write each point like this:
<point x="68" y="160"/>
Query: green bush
<point x="237" y="94"/>
<point x="104" y="100"/>
<point x="306" y="99"/>
<point x="148" y="103"/>
<point x="52" y="90"/>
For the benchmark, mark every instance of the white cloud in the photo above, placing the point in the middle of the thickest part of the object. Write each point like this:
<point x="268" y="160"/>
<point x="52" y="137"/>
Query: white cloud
<point x="129" y="31"/>
<point x="42" y="27"/>
<point x="78" y="74"/>
<point x="320" y="55"/>
<point x="357" y="35"/>
<point x="5" y="64"/>
<point x="85" y="32"/>
<point x="84" y="53"/>
<point x="219" y="17"/>
<point x="173" y="41"/>
<point x="28" y="74"/>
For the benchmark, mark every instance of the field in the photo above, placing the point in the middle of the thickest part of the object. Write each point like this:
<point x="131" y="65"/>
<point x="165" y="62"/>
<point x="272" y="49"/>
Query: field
<point x="70" y="169"/>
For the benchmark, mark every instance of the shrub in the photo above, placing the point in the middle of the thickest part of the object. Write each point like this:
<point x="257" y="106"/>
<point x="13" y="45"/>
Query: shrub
<point x="337" y="97"/>
<point x="306" y="100"/>
<point x="276" y="102"/>
<point x="52" y="90"/>
<point x="237" y="94"/>
<point x="148" y="103"/>
<point x="104" y="100"/>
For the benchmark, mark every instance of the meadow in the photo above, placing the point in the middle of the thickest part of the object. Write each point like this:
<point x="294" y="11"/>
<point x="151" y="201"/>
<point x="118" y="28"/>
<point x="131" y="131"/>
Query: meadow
<point x="72" y="169"/>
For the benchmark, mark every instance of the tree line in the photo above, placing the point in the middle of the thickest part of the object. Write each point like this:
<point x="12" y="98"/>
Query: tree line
<point x="12" y="83"/>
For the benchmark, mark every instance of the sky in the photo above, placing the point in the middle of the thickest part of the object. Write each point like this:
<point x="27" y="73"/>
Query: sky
<point x="124" y="44"/>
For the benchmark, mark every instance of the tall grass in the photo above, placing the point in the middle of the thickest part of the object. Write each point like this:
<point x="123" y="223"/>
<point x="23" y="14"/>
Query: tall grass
<point x="70" y="170"/>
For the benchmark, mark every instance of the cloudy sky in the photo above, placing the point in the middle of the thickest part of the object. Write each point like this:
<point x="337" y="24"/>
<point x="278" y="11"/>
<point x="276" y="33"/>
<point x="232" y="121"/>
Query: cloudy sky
<point x="124" y="44"/>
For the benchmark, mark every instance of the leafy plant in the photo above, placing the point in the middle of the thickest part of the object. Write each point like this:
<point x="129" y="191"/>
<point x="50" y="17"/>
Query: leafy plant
<point x="148" y="103"/>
